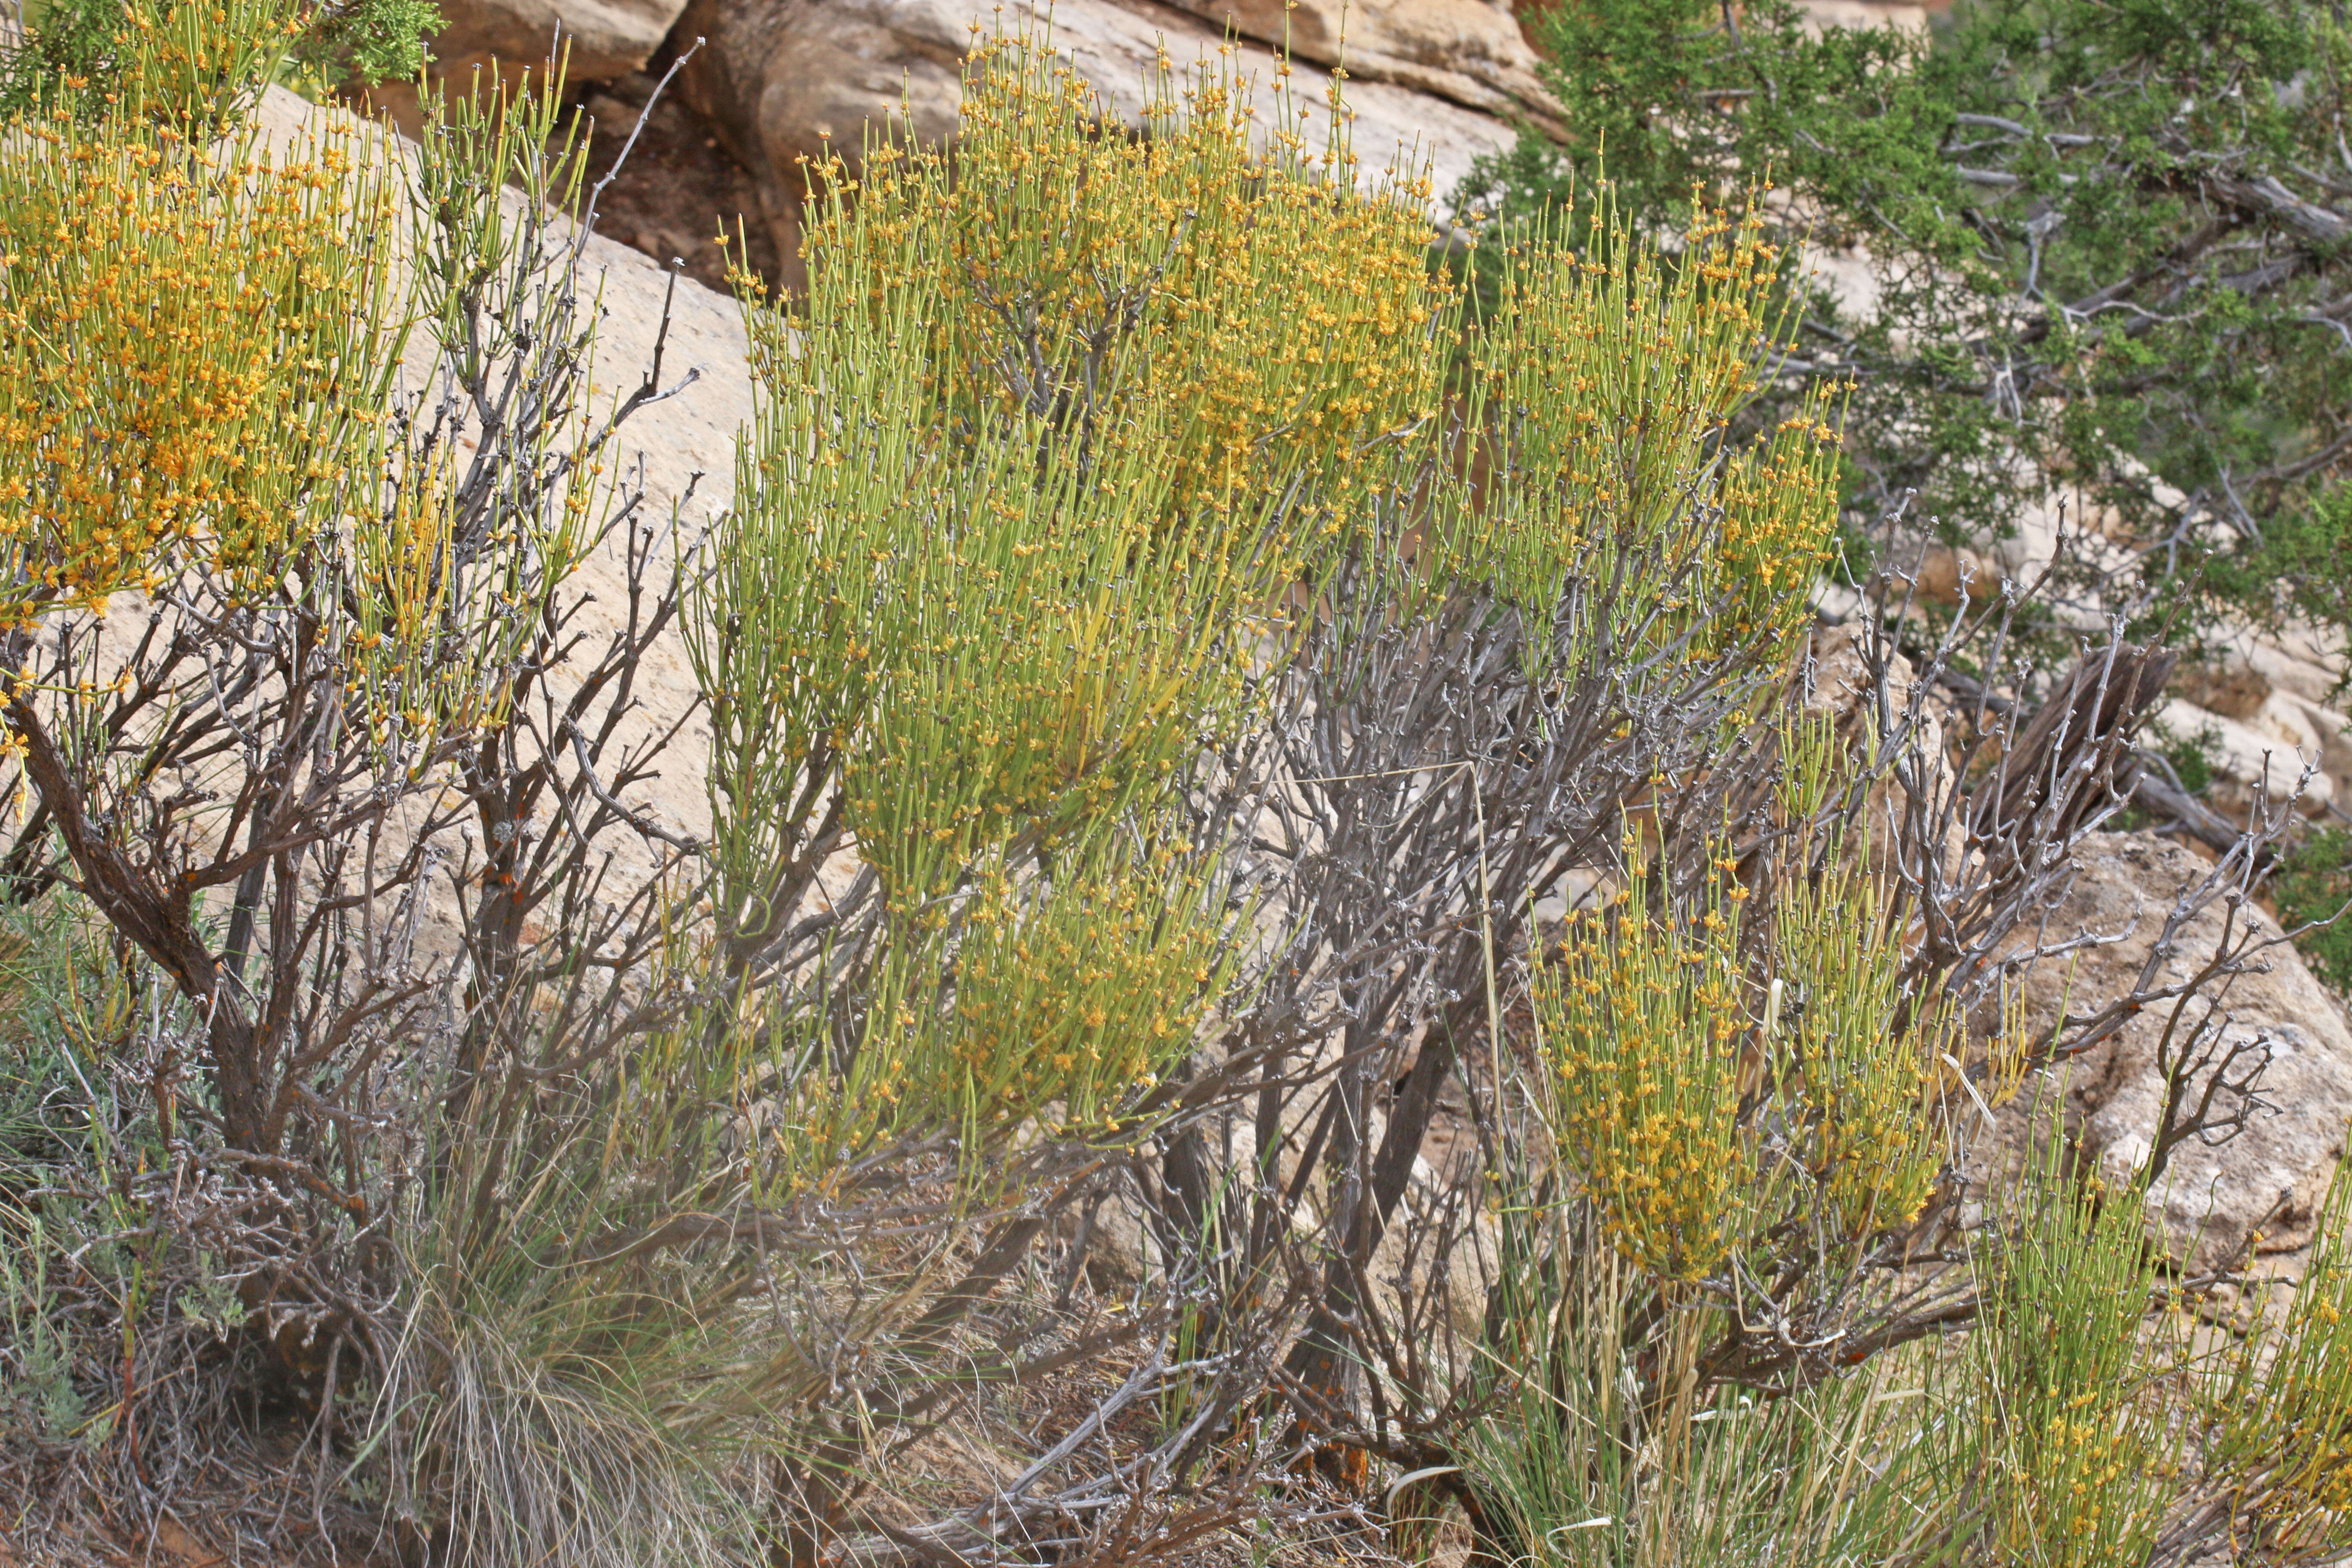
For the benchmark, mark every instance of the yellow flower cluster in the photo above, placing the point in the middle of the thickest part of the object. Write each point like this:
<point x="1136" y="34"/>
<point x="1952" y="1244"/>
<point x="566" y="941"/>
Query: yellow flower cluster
<point x="1062" y="412"/>
<point x="177" y="327"/>
<point x="1041" y="674"/>
<point x="1237" y="316"/>
<point x="430" y="652"/>
<point x="1600" y="386"/>
<point x="2288" y="1438"/>
<point x="1064" y="420"/>
<point x="198" y="65"/>
<point x="1076" y="994"/>
<point x="1643" y="1027"/>
<point x="1055" y="1000"/>
<point x="1686" y="1107"/>
<point x="1869" y="1062"/>
<point x="2066" y="1512"/>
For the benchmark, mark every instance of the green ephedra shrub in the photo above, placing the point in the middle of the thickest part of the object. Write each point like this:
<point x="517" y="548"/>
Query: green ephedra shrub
<point x="1046" y="464"/>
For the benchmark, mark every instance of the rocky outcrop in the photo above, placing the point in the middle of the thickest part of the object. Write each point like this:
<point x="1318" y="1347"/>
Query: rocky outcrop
<point x="1432" y="84"/>
<point x="786" y="81"/>
<point x="680" y="450"/>
<point x="608" y="38"/>
<point x="782" y="82"/>
<point x="2261" y="706"/>
<point x="1471" y="52"/>
<point x="2269" y="1175"/>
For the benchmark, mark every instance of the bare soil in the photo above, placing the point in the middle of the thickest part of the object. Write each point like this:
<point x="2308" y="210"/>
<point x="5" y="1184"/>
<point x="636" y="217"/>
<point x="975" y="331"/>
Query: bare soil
<point x="679" y="188"/>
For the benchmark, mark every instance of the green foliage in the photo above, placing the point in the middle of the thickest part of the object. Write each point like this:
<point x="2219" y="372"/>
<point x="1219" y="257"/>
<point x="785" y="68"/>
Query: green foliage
<point x="74" y="1287"/>
<point x="1576" y="1469"/>
<point x="2314" y="883"/>
<point x="191" y="64"/>
<point x="1074" y="447"/>
<point x="987" y="618"/>
<point x="69" y="50"/>
<point x="2111" y="248"/>
<point x="1734" y="1328"/>
<point x="86" y="54"/>
<point x="2283" y="1409"/>
<point x="1078" y="450"/>
<point x="203" y="343"/>
<point x="2305" y="561"/>
<point x="1111" y="454"/>
<point x="2050" y="1432"/>
<point x="1607" y="377"/>
<point x="581" y="1413"/>
<point x="364" y="42"/>
<point x="2069" y="1403"/>
<point x="1702" y="1142"/>
<point x="2191" y="756"/>
<point x="2075" y="1413"/>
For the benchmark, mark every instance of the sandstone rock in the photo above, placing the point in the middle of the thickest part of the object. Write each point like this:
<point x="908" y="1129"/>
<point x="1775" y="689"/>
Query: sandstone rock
<point x="2311" y="679"/>
<point x="1433" y="1248"/>
<point x="608" y="37"/>
<point x="2038" y="533"/>
<point x="2334" y="732"/>
<point x="682" y="450"/>
<point x="2272" y="1172"/>
<point x="1837" y="678"/>
<point x="1943" y="573"/>
<point x="2303" y="661"/>
<point x="2249" y="667"/>
<point x="2233" y="688"/>
<point x="2020" y="559"/>
<point x="1837" y="684"/>
<point x="1851" y="276"/>
<point x="1470" y="51"/>
<point x="2243" y="756"/>
<point x="2304" y="704"/>
<point x="2288" y="721"/>
<point x="2276" y="690"/>
<point x="1119" y="50"/>
<point x="783" y="80"/>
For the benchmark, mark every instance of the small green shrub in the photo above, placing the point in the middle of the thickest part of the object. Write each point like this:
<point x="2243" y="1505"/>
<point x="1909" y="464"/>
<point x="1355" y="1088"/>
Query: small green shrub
<point x="87" y="56"/>
<point x="2312" y="883"/>
<point x="2191" y="756"/>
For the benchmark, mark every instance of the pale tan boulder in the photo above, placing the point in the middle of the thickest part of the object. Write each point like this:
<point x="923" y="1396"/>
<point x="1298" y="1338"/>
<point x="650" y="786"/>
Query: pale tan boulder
<point x="2300" y="671"/>
<point x="2270" y="1175"/>
<point x="2334" y="732"/>
<point x="785" y="81"/>
<point x="2244" y="755"/>
<point x="1911" y="18"/>
<point x="1472" y="52"/>
<point x="608" y="38"/>
<point x="1944" y="574"/>
<point x="2246" y="667"/>
<point x="2232" y="687"/>
<point x="1390" y="127"/>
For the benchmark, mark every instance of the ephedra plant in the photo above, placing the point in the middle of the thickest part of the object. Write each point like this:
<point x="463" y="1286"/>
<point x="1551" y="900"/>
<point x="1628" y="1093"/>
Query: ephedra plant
<point x="1159" y="650"/>
<point x="1771" y="1290"/>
